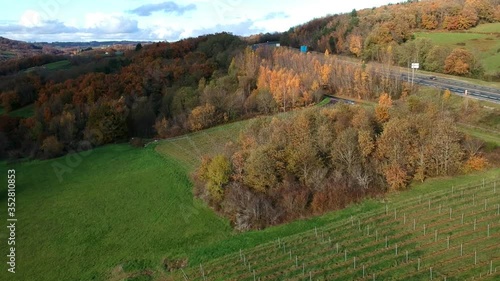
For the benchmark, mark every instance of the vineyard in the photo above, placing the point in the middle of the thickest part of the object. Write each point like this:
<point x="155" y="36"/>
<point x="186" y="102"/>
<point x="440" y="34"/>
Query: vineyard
<point x="449" y="234"/>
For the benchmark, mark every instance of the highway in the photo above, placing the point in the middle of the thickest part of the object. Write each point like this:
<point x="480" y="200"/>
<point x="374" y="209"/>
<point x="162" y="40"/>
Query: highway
<point x="490" y="94"/>
<point x="457" y="87"/>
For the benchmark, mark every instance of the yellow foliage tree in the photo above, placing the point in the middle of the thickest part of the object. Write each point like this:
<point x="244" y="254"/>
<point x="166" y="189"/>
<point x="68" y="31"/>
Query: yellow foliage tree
<point x="382" y="109"/>
<point x="475" y="163"/>
<point x="202" y="117"/>
<point x="446" y="95"/>
<point x="396" y="177"/>
<point x="355" y="45"/>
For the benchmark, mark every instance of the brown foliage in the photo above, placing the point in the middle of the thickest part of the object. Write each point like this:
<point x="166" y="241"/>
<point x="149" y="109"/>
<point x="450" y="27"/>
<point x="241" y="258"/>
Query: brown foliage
<point x="397" y="177"/>
<point x="459" y="62"/>
<point x="202" y="117"/>
<point x="52" y="147"/>
<point x="475" y="163"/>
<point x="355" y="45"/>
<point x="382" y="109"/>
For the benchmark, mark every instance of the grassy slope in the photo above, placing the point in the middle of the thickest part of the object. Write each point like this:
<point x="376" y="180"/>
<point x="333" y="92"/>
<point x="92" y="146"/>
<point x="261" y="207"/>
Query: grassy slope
<point x="481" y="41"/>
<point x="248" y="240"/>
<point x="122" y="204"/>
<point x="58" y="65"/>
<point x="119" y="204"/>
<point x="305" y="228"/>
<point x="187" y="148"/>
<point x="487" y="28"/>
<point x="24" y="112"/>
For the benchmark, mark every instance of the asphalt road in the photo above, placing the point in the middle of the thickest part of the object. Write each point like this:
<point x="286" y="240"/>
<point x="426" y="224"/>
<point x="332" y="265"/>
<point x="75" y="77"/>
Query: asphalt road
<point x="457" y="87"/>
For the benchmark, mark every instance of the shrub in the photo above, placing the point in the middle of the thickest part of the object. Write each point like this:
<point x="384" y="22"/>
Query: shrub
<point x="52" y="147"/>
<point x="137" y="142"/>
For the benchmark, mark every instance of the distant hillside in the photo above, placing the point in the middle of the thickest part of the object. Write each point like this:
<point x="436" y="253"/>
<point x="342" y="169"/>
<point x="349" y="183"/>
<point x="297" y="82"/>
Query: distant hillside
<point x="94" y="44"/>
<point x="19" y="49"/>
<point x="386" y="34"/>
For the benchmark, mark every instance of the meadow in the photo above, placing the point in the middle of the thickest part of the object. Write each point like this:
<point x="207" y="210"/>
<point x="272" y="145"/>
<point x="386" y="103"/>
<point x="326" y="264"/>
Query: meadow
<point x="122" y="213"/>
<point x="114" y="208"/>
<point x="63" y="64"/>
<point x="483" y="40"/>
<point x="23" y="112"/>
<point x="262" y="252"/>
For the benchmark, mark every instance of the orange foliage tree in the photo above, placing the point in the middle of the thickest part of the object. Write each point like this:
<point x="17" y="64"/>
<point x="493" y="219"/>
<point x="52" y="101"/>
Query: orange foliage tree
<point x="382" y="109"/>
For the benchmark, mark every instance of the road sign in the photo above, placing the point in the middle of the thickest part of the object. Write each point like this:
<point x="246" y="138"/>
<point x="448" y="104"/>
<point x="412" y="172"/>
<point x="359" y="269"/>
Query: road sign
<point x="415" y="65"/>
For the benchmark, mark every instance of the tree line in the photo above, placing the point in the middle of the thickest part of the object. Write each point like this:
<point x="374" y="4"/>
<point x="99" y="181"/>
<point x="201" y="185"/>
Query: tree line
<point x="167" y="89"/>
<point x="386" y="34"/>
<point x="322" y="159"/>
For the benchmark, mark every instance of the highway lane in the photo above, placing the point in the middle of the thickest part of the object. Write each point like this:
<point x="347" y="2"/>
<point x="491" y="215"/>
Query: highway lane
<point x="457" y="87"/>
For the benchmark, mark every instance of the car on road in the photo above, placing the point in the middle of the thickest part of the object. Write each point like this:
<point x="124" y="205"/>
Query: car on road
<point x="432" y="77"/>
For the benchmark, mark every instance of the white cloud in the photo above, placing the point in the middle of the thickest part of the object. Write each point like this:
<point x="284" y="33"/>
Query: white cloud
<point x="166" y="20"/>
<point x="31" y="18"/>
<point x="166" y="7"/>
<point x="110" y="23"/>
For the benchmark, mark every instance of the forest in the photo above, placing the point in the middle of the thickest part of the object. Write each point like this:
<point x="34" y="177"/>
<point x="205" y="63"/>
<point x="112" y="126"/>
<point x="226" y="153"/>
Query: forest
<point x="386" y="34"/>
<point x="318" y="160"/>
<point x="167" y="89"/>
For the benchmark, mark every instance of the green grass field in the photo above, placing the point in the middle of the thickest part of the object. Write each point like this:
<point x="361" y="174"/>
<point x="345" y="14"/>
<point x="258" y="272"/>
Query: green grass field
<point x="118" y="205"/>
<point x="58" y="65"/>
<point x="24" y="112"/>
<point x="189" y="149"/>
<point x="120" y="211"/>
<point x="7" y="55"/>
<point x="485" y="44"/>
<point x="487" y="28"/>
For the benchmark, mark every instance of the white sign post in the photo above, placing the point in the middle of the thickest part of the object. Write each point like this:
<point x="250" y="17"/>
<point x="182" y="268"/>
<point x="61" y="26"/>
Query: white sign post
<point x="414" y="66"/>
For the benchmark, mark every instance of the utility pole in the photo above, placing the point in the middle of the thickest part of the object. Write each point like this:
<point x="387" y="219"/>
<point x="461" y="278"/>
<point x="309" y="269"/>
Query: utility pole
<point x="412" y="76"/>
<point x="414" y="66"/>
<point x="408" y="75"/>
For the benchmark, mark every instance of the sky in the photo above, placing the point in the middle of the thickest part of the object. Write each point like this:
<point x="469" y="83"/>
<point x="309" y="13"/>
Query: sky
<point x="159" y="20"/>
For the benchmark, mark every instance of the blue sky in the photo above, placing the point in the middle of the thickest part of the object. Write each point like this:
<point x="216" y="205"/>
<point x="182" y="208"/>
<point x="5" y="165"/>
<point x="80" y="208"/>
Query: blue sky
<point x="159" y="20"/>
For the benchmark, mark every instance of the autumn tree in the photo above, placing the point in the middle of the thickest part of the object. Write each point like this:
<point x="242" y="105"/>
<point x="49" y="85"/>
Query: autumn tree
<point x="52" y="147"/>
<point x="475" y="163"/>
<point x="447" y="153"/>
<point x="383" y="107"/>
<point x="462" y="62"/>
<point x="496" y="13"/>
<point x="216" y="172"/>
<point x="161" y="127"/>
<point x="395" y="151"/>
<point x="261" y="171"/>
<point x="435" y="59"/>
<point x="355" y="45"/>
<point x="483" y="8"/>
<point x="9" y="100"/>
<point x="429" y="21"/>
<point x="346" y="154"/>
<point x="106" y="123"/>
<point x="202" y="117"/>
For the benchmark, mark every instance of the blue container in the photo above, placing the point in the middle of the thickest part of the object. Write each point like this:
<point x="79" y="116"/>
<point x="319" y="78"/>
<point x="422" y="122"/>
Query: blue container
<point x="303" y="49"/>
